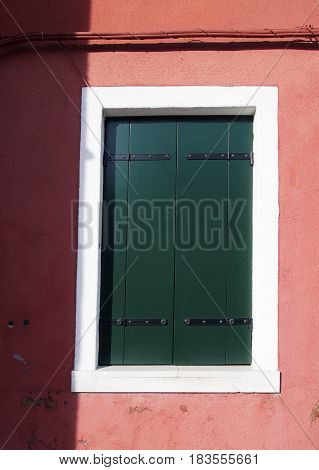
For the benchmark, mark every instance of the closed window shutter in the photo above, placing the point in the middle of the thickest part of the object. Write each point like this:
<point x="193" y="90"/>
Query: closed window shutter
<point x="239" y="289"/>
<point x="194" y="291"/>
<point x="113" y="256"/>
<point x="150" y="282"/>
<point x="200" y="291"/>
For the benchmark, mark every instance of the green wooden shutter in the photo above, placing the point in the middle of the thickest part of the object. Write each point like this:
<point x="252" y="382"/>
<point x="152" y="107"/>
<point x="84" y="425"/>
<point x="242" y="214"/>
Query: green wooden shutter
<point x="150" y="282"/>
<point x="200" y="289"/>
<point x="239" y="269"/>
<point x="113" y="257"/>
<point x="208" y="274"/>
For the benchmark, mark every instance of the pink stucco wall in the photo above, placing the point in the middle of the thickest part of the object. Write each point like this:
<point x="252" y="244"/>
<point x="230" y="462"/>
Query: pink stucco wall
<point x="40" y="130"/>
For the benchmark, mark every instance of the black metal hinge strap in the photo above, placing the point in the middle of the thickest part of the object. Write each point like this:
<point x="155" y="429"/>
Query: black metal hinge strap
<point x="205" y="322"/>
<point x="218" y="321"/>
<point x="113" y="322"/>
<point x="222" y="156"/>
<point x="116" y="157"/>
<point x="149" y="156"/>
<point x="147" y="322"/>
<point x="207" y="156"/>
<point x="239" y="321"/>
<point x="111" y="157"/>
<point x="242" y="156"/>
<point x="135" y="322"/>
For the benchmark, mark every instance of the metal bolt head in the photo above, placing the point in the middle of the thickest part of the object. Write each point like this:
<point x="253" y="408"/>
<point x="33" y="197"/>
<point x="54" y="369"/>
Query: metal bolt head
<point x="187" y="322"/>
<point x="119" y="321"/>
<point x="231" y="321"/>
<point x="163" y="321"/>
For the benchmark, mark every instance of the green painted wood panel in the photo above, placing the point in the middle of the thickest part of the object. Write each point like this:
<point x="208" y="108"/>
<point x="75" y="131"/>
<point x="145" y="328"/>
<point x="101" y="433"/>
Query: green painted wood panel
<point x="150" y="282"/>
<point x="209" y="273"/>
<point x="200" y="277"/>
<point x="114" y="234"/>
<point x="239" y="290"/>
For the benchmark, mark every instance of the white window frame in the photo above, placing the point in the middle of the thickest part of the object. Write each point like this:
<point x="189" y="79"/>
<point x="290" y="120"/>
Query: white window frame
<point x="263" y="375"/>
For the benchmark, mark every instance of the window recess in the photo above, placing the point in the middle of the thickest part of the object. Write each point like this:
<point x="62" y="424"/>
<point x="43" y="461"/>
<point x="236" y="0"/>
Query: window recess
<point x="176" y="264"/>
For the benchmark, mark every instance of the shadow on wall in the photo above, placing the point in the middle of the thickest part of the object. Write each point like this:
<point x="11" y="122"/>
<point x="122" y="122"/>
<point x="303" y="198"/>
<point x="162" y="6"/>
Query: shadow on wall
<point x="40" y="135"/>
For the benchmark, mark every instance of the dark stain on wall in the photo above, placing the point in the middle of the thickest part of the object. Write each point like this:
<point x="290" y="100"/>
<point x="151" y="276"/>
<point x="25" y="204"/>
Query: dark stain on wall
<point x="48" y="402"/>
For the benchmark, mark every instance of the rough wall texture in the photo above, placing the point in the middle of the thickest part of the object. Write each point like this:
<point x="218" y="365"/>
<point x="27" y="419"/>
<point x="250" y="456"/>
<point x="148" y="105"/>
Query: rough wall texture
<point x="40" y="130"/>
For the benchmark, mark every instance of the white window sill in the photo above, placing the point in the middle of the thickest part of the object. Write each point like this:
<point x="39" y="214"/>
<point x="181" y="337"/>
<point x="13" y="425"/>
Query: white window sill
<point x="176" y="379"/>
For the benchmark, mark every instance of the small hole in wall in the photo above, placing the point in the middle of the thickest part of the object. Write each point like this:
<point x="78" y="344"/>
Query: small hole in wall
<point x="26" y="322"/>
<point x="10" y="324"/>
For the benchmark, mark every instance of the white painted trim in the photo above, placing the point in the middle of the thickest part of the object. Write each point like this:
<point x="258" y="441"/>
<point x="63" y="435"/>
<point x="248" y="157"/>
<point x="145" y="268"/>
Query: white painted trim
<point x="262" y="102"/>
<point x="174" y="379"/>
